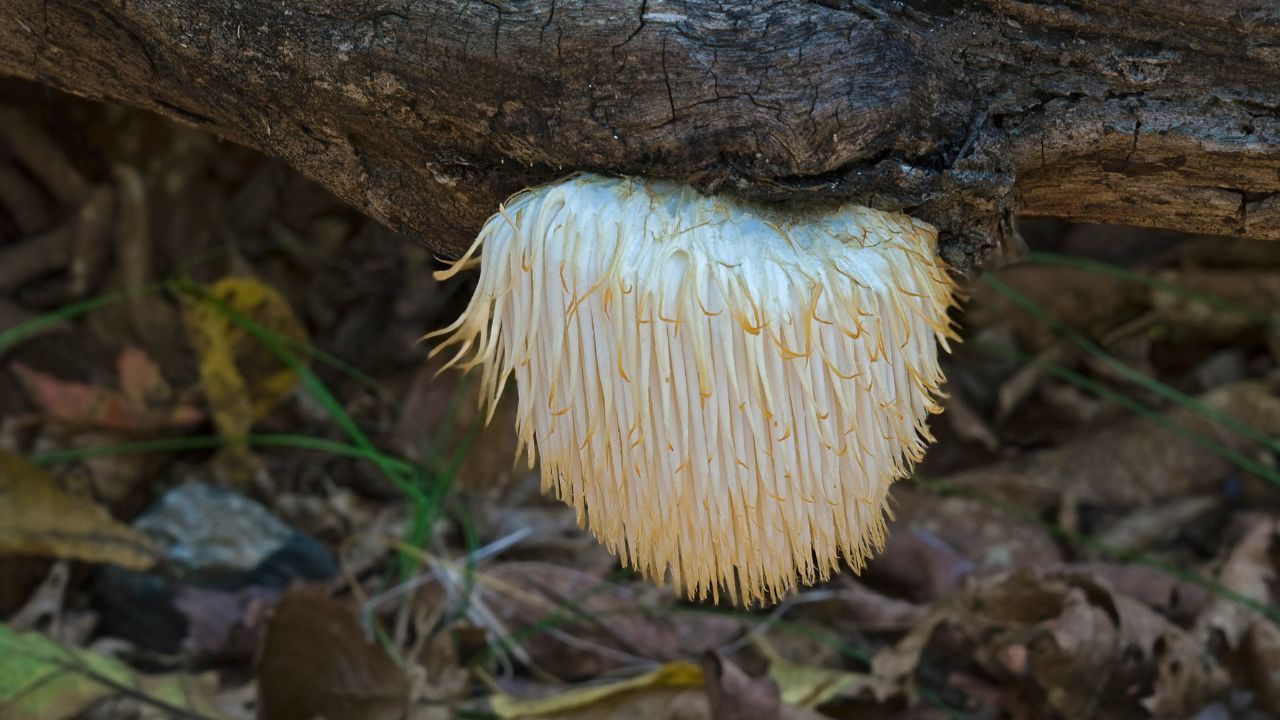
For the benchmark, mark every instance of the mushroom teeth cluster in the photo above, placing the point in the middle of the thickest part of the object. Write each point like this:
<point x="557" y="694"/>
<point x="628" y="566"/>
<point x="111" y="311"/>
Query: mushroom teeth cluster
<point x="722" y="389"/>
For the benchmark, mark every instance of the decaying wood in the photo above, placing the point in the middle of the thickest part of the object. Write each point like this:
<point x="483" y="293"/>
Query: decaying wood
<point x="427" y="114"/>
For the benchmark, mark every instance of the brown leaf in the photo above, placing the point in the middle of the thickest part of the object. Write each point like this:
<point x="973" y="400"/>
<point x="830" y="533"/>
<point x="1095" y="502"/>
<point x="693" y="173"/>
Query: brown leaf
<point x="919" y="563"/>
<point x="553" y="534"/>
<point x="1187" y="675"/>
<point x="1061" y="632"/>
<point x="144" y="403"/>
<point x="935" y="540"/>
<point x="967" y="424"/>
<point x="223" y="624"/>
<point x="45" y="602"/>
<point x="73" y="403"/>
<point x="897" y="663"/>
<point x="1087" y="301"/>
<point x="1074" y="651"/>
<point x="1262" y="645"/>
<point x="1133" y="463"/>
<point x="617" y="625"/>
<point x="714" y="690"/>
<point x="317" y="662"/>
<point x="1180" y="600"/>
<point x="37" y="518"/>
<point x="855" y="607"/>
<point x="1020" y="385"/>
<point x="1255" y="291"/>
<point x="734" y="695"/>
<point x="1142" y="527"/>
<point x="1249" y="572"/>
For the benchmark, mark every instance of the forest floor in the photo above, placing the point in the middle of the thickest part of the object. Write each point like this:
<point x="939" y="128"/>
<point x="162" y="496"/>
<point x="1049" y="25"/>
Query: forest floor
<point x="233" y="486"/>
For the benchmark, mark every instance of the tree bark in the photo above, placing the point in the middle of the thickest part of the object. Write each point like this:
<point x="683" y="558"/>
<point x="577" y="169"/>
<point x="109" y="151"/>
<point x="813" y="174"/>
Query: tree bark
<point x="427" y="115"/>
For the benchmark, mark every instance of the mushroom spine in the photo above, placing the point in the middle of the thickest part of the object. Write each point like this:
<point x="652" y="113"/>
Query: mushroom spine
<point x="722" y="389"/>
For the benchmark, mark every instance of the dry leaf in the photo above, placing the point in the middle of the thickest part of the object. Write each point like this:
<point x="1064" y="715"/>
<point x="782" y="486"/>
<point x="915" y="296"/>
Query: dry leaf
<point x="1145" y="526"/>
<point x="223" y="624"/>
<point x="1134" y="463"/>
<point x="855" y="608"/>
<point x="735" y="695"/>
<point x="1073" y="651"/>
<point x="1248" y="572"/>
<point x="935" y="540"/>
<point x="1061" y="632"/>
<point x="1087" y="301"/>
<point x="317" y="662"/>
<point x="616" y="626"/>
<point x="671" y="676"/>
<point x="45" y="602"/>
<point x="1254" y="291"/>
<point x="37" y="518"/>
<point x="919" y="563"/>
<point x="518" y="505"/>
<point x="143" y="404"/>
<point x="787" y="692"/>
<point x="41" y="680"/>
<point x="1178" y="599"/>
<point x="811" y="686"/>
<point x="968" y="424"/>
<point x="242" y="379"/>
<point x="1262" y="645"/>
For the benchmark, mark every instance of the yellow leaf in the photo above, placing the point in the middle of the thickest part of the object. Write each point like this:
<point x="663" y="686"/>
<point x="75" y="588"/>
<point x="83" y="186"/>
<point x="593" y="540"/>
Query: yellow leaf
<point x="670" y="675"/>
<point x="38" y="518"/>
<point x="42" y="680"/>
<point x="242" y="379"/>
<point x="810" y="686"/>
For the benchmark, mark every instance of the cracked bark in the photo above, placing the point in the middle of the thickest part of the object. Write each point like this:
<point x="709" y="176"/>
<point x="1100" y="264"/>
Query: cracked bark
<point x="1163" y="113"/>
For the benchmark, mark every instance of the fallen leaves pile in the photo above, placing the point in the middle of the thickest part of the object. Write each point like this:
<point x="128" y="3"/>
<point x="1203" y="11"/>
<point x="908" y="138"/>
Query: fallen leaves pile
<point x="231" y="488"/>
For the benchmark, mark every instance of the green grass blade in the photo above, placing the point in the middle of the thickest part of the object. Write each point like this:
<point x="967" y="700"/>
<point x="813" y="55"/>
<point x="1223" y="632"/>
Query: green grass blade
<point x="307" y="378"/>
<point x="1155" y="283"/>
<point x="308" y="350"/>
<point x="424" y="497"/>
<point x="1081" y="540"/>
<point x="1129" y="373"/>
<point x="1238" y="459"/>
<point x="571" y="609"/>
<point x="16" y="334"/>
<point x="214" y="442"/>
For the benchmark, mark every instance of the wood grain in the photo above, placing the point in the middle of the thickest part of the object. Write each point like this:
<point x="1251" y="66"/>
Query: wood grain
<point x="427" y="114"/>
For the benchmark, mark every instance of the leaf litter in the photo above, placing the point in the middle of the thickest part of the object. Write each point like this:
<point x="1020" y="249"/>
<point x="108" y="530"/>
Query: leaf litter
<point x="39" y="518"/>
<point x="1085" y="540"/>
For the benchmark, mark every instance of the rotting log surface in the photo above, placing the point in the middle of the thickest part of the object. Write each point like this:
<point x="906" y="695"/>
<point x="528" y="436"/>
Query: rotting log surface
<point x="426" y="114"/>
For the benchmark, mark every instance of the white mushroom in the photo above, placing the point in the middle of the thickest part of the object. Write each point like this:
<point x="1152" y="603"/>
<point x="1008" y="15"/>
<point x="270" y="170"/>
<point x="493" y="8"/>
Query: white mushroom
<point x="722" y="389"/>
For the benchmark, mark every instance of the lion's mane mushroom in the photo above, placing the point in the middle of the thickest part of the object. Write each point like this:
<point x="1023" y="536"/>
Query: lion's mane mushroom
<point x="722" y="389"/>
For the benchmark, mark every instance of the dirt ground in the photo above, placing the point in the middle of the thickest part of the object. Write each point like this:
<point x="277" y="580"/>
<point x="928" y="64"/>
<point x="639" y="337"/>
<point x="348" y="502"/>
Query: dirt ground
<point x="232" y="485"/>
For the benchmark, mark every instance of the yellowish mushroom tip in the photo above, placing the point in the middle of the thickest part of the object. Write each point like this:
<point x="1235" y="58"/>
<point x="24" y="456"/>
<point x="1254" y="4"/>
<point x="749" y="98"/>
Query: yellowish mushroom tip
<point x="723" y="390"/>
